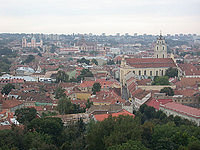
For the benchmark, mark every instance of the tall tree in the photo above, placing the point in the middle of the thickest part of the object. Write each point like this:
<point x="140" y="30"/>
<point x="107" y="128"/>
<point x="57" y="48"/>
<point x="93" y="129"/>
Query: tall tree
<point x="171" y="72"/>
<point x="94" y="61"/>
<point x="168" y="90"/>
<point x="7" y="88"/>
<point x="59" y="92"/>
<point x="62" y="77"/>
<point x="65" y="106"/>
<point x="163" y="80"/>
<point x="25" y="115"/>
<point x="96" y="87"/>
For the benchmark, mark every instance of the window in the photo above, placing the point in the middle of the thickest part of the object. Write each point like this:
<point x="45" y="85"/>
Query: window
<point x="163" y="56"/>
<point x="157" y="56"/>
<point x="156" y="73"/>
<point x="162" y="73"/>
<point x="145" y="72"/>
<point x="163" y="48"/>
<point x="139" y="73"/>
<point x="134" y="72"/>
<point x="150" y="73"/>
<point x="157" y="47"/>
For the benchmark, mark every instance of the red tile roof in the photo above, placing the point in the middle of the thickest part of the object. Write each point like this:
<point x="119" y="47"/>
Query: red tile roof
<point x="150" y="62"/>
<point x="188" y="83"/>
<point x="156" y="102"/>
<point x="188" y="92"/>
<point x="103" y="83"/>
<point x="7" y="104"/>
<point x="109" y="97"/>
<point x="139" y="93"/>
<point x="189" y="69"/>
<point x="182" y="109"/>
<point x="101" y="117"/>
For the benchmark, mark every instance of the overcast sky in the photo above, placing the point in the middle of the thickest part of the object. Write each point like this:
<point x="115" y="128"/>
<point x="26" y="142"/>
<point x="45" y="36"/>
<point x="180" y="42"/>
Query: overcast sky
<point x="100" y="16"/>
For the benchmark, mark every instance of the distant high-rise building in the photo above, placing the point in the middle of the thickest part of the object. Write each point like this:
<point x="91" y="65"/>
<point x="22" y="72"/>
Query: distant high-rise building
<point x="135" y="34"/>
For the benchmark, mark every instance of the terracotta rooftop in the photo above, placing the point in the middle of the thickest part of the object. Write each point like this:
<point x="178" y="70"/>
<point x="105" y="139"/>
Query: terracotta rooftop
<point x="139" y="93"/>
<point x="156" y="102"/>
<point x="150" y="62"/>
<point x="188" y="83"/>
<point x="189" y="69"/>
<point x="186" y="92"/>
<point x="186" y="110"/>
<point x="11" y="103"/>
<point x="101" y="117"/>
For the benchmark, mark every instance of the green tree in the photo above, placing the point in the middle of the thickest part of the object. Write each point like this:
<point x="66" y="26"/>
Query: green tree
<point x="50" y="125"/>
<point x="110" y="62"/>
<point x="60" y="92"/>
<point x="89" y="104"/>
<point x="130" y="145"/>
<point x="29" y="59"/>
<point x="168" y="90"/>
<point x="113" y="131"/>
<point x="171" y="72"/>
<point x="94" y="61"/>
<point x="84" y="73"/>
<point x="162" y="80"/>
<point x="39" y="54"/>
<point x="83" y="60"/>
<point x="7" y="88"/>
<point x="96" y="87"/>
<point x="4" y="65"/>
<point x="25" y="115"/>
<point x="65" y="106"/>
<point x="62" y="77"/>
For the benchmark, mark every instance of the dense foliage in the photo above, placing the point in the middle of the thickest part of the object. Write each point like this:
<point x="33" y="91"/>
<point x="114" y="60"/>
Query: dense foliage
<point x="169" y="91"/>
<point x="83" y="60"/>
<point x="7" y="88"/>
<point x="162" y="80"/>
<point x="110" y="62"/>
<point x="150" y="129"/>
<point x="59" y="92"/>
<point x="29" y="59"/>
<point x="171" y="72"/>
<point x="4" y="64"/>
<point x="25" y="115"/>
<point x="65" y="106"/>
<point x="96" y="87"/>
<point x="84" y="73"/>
<point x="62" y="77"/>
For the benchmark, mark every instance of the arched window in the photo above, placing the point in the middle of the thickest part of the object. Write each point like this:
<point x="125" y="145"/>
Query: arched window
<point x="162" y="73"/>
<point x="150" y="73"/>
<point x="163" y="48"/>
<point x="139" y="73"/>
<point x="145" y="72"/>
<point x="156" y="73"/>
<point x="157" y="56"/>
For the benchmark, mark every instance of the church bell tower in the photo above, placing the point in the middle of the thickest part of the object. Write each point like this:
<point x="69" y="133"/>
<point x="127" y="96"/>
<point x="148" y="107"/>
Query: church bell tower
<point x="160" y="50"/>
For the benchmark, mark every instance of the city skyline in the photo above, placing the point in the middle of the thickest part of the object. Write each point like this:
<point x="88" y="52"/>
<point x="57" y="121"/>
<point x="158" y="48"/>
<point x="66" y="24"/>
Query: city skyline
<point x="107" y="16"/>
